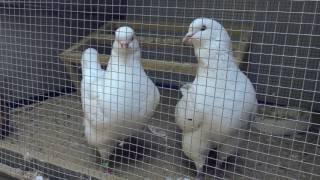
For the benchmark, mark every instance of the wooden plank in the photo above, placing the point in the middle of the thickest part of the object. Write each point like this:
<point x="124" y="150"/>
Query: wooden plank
<point x="139" y="25"/>
<point x="74" y="59"/>
<point x="101" y="36"/>
<point x="15" y="173"/>
<point x="4" y="117"/>
<point x="234" y="30"/>
<point x="150" y="40"/>
<point x="153" y="42"/>
<point x="71" y="69"/>
<point x="72" y="56"/>
<point x="39" y="163"/>
<point x="239" y="35"/>
<point x="148" y="64"/>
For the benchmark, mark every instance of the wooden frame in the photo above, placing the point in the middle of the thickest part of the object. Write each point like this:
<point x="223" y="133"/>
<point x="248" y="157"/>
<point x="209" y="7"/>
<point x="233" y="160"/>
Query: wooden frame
<point x="72" y="56"/>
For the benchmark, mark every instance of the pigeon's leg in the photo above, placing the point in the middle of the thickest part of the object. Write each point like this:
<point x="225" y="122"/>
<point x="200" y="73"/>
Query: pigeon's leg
<point x="104" y="151"/>
<point x="101" y="141"/>
<point x="197" y="150"/>
<point x="226" y="150"/>
<point x="200" y="174"/>
<point x="103" y="158"/>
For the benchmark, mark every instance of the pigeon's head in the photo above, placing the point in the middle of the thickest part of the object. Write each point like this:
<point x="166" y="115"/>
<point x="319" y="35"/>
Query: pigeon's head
<point x="204" y="32"/>
<point x="125" y="38"/>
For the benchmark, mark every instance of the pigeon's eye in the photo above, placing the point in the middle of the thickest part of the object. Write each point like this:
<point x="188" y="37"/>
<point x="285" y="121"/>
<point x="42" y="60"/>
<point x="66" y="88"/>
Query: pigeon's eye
<point x="189" y="119"/>
<point x="203" y="28"/>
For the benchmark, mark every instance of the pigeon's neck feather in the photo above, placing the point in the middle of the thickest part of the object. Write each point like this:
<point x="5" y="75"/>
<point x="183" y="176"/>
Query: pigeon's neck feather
<point x="126" y="58"/>
<point x="213" y="57"/>
<point x="214" y="63"/>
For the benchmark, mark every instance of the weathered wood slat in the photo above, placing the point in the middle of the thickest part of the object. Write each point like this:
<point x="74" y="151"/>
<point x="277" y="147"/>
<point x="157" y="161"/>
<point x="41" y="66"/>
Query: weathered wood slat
<point x="40" y="164"/>
<point x="149" y="42"/>
<point x="148" y="64"/>
<point x="234" y="31"/>
<point x="163" y="39"/>
<point x="174" y="42"/>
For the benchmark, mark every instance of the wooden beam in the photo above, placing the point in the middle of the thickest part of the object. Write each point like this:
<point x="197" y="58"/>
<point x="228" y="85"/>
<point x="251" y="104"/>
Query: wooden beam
<point x="41" y="163"/>
<point x="234" y="30"/>
<point x="147" y="42"/>
<point x="148" y="64"/>
<point x="104" y="35"/>
<point x="72" y="56"/>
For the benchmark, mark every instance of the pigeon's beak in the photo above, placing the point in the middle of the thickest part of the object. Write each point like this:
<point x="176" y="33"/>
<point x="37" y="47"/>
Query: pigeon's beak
<point x="124" y="44"/>
<point x="187" y="39"/>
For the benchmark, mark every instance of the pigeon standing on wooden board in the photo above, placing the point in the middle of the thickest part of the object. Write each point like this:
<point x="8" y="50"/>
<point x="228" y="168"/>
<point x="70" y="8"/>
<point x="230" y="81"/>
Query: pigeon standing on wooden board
<point x="220" y="101"/>
<point x="118" y="101"/>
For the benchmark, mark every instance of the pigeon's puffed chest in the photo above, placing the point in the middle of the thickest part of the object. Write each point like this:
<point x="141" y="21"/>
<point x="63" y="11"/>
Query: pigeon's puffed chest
<point x="127" y="81"/>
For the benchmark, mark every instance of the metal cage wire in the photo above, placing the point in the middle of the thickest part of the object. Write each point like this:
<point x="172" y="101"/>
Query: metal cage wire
<point x="50" y="121"/>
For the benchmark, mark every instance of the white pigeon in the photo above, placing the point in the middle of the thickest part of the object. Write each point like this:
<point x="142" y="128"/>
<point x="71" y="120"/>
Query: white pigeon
<point x="221" y="99"/>
<point x="117" y="102"/>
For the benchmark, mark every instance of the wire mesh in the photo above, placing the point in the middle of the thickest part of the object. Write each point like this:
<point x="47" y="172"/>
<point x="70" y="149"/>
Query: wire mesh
<point x="63" y="117"/>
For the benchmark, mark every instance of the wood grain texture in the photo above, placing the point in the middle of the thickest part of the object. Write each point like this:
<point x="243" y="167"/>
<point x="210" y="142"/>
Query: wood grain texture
<point x="4" y="118"/>
<point x="174" y="33"/>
